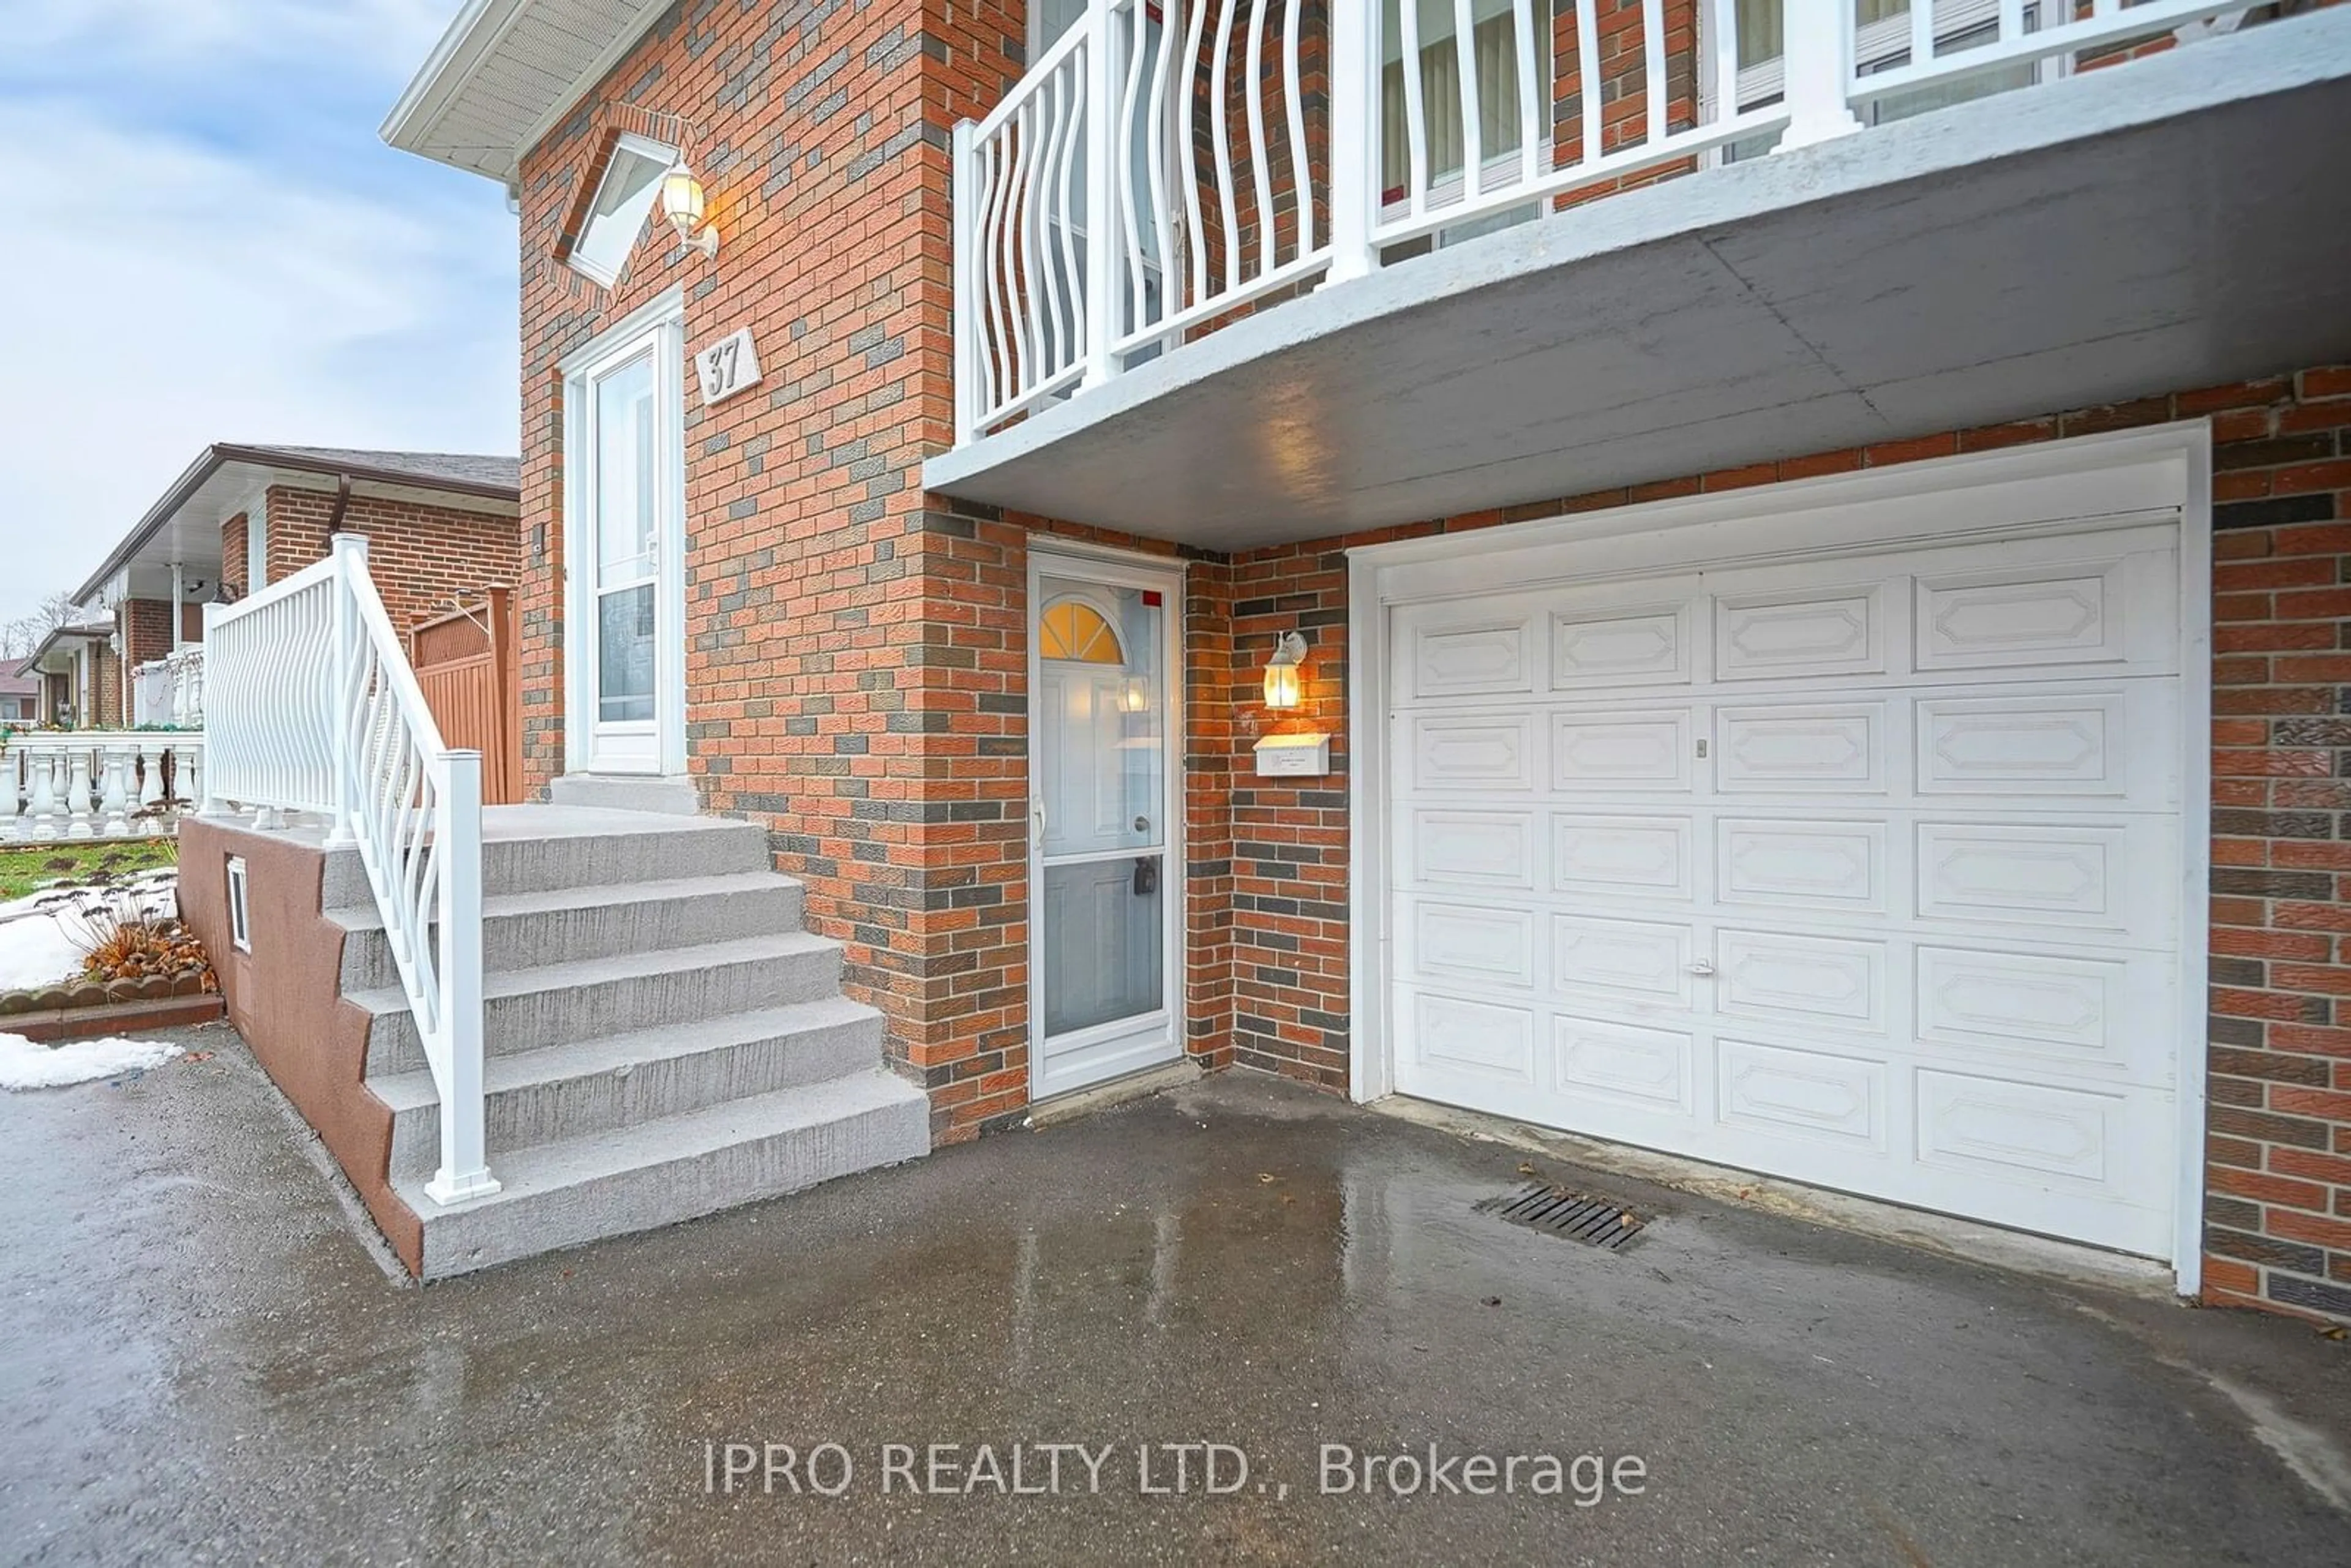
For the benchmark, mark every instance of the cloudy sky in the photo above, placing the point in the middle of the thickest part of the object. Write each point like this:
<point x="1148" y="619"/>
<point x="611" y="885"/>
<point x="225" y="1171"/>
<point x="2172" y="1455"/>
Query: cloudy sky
<point x="204" y="241"/>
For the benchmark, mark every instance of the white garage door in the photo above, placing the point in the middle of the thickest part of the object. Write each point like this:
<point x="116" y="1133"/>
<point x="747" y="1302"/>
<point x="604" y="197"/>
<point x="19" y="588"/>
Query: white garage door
<point x="1862" y="871"/>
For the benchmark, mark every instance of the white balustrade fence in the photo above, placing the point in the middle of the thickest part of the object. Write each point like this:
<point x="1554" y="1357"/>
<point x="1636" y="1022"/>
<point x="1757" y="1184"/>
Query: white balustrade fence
<point x="1168" y="165"/>
<point x="95" y="784"/>
<point x="313" y="708"/>
<point x="170" y="690"/>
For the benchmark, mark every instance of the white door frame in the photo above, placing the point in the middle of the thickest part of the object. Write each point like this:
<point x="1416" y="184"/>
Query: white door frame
<point x="1116" y="568"/>
<point x="660" y="322"/>
<point x="1987" y="495"/>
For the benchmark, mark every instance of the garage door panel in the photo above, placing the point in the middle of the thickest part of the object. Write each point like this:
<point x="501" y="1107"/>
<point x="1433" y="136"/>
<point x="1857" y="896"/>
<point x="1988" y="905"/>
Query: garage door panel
<point x="1493" y="656"/>
<point x="1484" y="754"/>
<point x="1488" y="1039"/>
<point x="1644" y="1067"/>
<point x="1650" y="751"/>
<point x="1610" y="858"/>
<point x="1639" y="962"/>
<point x="1646" y="645"/>
<point x="1799" y="635"/>
<point x="2104" y="1016"/>
<point x="1490" y="850"/>
<point x="1863" y="871"/>
<point x="1804" y="748"/>
<point x="2115" y="876"/>
<point x="2067" y="613"/>
<point x="1777" y="976"/>
<point x="1820" y="864"/>
<point x="1480" y="944"/>
<point x="1789" y="1092"/>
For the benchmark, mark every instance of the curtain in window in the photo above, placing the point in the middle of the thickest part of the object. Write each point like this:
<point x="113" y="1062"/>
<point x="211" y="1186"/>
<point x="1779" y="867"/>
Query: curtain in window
<point x="1494" y="64"/>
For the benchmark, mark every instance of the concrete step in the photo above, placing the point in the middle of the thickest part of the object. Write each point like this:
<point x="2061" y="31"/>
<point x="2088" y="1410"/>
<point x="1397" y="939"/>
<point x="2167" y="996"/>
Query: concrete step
<point x="556" y="1004"/>
<point x="525" y="930"/>
<point x="599" y="1085"/>
<point x="675" y="1167"/>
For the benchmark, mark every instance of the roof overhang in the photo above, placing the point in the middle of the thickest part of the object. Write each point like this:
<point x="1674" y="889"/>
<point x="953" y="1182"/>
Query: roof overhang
<point x="184" y="527"/>
<point x="54" y="655"/>
<point x="505" y="72"/>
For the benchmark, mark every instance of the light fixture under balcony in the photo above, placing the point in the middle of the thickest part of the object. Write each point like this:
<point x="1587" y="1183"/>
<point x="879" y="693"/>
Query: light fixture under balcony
<point x="1283" y="685"/>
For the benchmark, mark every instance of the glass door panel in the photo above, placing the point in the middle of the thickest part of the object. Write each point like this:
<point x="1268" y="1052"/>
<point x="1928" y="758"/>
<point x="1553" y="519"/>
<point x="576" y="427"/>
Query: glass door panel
<point x="624" y="515"/>
<point x="1102" y="789"/>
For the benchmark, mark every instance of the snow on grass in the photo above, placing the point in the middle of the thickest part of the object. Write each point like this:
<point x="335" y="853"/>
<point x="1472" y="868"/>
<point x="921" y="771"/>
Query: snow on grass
<point x="38" y="944"/>
<point x="26" y="1064"/>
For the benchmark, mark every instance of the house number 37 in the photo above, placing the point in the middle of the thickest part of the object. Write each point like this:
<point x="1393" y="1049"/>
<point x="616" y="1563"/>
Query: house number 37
<point x="728" y="366"/>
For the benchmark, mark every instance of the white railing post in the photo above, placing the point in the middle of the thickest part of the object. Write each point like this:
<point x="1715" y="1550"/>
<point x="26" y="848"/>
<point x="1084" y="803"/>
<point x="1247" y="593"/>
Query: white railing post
<point x="149" y="754"/>
<point x="1817" y="56"/>
<point x="1098" y="141"/>
<point x="464" y="1168"/>
<point x="11" y="766"/>
<point x="963" y="188"/>
<point x="350" y="554"/>
<point x="195" y="788"/>
<point x="1354" y="140"/>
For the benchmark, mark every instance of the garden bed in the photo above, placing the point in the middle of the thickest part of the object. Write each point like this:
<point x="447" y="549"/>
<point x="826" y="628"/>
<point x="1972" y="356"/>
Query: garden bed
<point x="104" y="953"/>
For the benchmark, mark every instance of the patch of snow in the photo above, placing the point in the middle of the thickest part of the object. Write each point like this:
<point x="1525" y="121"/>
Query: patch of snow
<point x="26" y="1064"/>
<point x="38" y="934"/>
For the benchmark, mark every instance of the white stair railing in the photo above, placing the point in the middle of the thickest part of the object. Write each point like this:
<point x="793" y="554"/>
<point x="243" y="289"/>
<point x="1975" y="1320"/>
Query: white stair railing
<point x="311" y="706"/>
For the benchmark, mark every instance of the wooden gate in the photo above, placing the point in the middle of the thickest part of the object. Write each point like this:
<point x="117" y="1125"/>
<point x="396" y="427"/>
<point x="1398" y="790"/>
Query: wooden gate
<point x="465" y="661"/>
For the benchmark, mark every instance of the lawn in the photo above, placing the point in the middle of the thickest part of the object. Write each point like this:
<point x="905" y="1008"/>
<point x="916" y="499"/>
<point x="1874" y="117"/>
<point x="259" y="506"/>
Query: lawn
<point x="28" y="868"/>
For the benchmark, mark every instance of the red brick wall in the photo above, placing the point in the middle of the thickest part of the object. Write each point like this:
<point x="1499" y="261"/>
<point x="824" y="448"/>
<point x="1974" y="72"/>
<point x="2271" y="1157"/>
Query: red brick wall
<point x="853" y="654"/>
<point x="232" y="557"/>
<point x="423" y="559"/>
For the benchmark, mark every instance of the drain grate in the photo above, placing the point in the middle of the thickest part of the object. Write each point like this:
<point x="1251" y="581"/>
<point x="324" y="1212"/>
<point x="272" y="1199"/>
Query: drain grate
<point x="1594" y="1220"/>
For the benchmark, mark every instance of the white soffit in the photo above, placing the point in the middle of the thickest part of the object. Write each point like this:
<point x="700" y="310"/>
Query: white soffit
<point x="505" y="72"/>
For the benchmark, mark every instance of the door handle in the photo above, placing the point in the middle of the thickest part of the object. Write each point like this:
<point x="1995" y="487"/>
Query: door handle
<point x="1702" y="969"/>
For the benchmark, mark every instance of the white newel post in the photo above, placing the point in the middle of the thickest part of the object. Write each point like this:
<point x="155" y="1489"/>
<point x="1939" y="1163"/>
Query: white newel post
<point x="350" y="561"/>
<point x="1354" y="139"/>
<point x="13" y="825"/>
<point x="465" y="1167"/>
<point x="963" y="219"/>
<point x="192" y="788"/>
<point x="1817" y="55"/>
<point x="188" y="773"/>
<point x="1098" y="137"/>
<point x="80" y="810"/>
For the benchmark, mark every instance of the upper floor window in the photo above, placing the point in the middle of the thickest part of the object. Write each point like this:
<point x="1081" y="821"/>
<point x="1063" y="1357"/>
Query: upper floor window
<point x="624" y="198"/>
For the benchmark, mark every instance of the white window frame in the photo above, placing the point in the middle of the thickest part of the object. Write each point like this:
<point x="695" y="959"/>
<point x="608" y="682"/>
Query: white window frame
<point x="575" y="256"/>
<point x="2165" y="467"/>
<point x="661" y="324"/>
<point x="240" y="906"/>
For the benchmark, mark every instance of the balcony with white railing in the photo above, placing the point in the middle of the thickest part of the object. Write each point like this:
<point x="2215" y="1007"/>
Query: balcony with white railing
<point x="96" y="784"/>
<point x="1198" y="231"/>
<point x="169" y="692"/>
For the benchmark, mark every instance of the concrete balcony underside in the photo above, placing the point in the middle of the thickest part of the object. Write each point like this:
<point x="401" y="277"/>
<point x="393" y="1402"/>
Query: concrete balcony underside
<point x="2177" y="222"/>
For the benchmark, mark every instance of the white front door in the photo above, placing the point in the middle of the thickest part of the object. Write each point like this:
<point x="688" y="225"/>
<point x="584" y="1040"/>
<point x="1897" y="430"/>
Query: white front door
<point x="1864" y="870"/>
<point x="624" y="506"/>
<point x="1105" y="866"/>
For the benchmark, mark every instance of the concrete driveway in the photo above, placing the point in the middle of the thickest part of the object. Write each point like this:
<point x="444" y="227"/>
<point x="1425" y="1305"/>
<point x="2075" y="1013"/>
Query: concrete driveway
<point x="201" y="1363"/>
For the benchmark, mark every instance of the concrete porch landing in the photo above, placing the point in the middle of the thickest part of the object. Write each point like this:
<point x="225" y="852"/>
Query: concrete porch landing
<point x="203" y="1361"/>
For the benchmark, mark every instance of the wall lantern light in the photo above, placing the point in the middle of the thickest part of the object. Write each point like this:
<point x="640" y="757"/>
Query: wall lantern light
<point x="683" y="204"/>
<point x="1134" y="695"/>
<point x="1281" y="682"/>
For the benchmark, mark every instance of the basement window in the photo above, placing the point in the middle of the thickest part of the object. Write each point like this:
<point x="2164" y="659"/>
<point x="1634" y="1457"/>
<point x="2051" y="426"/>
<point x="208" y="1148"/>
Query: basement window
<point x="240" y="924"/>
<point x="616" y="216"/>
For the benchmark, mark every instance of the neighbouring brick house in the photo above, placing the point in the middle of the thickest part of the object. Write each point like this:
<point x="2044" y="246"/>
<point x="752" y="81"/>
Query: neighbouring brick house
<point x="441" y="527"/>
<point x="22" y="690"/>
<point x="1761" y="611"/>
